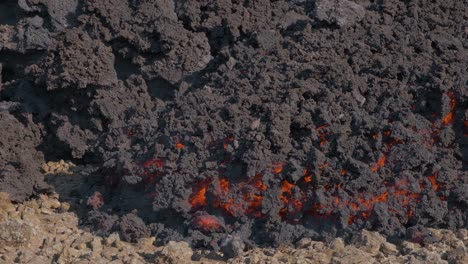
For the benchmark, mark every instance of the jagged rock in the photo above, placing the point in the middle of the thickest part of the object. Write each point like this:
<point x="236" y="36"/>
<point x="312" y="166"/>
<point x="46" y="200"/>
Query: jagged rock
<point x="352" y="255"/>
<point x="232" y="246"/>
<point x="14" y="233"/>
<point x="174" y="253"/>
<point x="369" y="242"/>
<point x="341" y="12"/>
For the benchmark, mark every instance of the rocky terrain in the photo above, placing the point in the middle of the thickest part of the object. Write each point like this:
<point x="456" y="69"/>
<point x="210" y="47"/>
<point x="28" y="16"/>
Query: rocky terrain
<point x="43" y="230"/>
<point x="234" y="125"/>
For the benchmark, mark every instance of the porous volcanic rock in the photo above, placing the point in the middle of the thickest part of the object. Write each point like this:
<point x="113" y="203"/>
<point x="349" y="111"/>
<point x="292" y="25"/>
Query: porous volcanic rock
<point x="271" y="121"/>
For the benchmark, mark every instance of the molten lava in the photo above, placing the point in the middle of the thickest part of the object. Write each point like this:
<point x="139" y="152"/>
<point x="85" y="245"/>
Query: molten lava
<point x="292" y="205"/>
<point x="450" y="117"/>
<point x="433" y="180"/>
<point x="198" y="198"/>
<point x="277" y="167"/>
<point x="307" y="176"/>
<point x="299" y="198"/>
<point x="208" y="223"/>
<point x="154" y="161"/>
<point x="286" y="190"/>
<point x="323" y="134"/>
<point x="224" y="185"/>
<point x="379" y="164"/>
<point x="244" y="197"/>
<point x="180" y="145"/>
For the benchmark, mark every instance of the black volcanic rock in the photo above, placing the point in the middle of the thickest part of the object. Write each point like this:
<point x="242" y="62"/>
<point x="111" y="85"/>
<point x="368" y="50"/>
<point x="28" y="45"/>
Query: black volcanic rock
<point x="270" y="120"/>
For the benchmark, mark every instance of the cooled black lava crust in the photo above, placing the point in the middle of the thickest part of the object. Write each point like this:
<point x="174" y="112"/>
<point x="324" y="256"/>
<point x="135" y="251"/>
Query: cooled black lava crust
<point x="265" y="120"/>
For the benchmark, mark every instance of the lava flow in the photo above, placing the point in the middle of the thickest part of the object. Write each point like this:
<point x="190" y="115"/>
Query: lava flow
<point x="208" y="223"/>
<point x="379" y="164"/>
<point x="450" y="117"/>
<point x="289" y="200"/>
<point x="198" y="198"/>
<point x="246" y="197"/>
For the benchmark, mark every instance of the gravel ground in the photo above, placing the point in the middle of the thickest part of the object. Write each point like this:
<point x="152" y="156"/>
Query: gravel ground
<point x="43" y="230"/>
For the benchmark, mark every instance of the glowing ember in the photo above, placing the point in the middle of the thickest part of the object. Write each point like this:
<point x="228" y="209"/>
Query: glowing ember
<point x="227" y="141"/>
<point x="246" y="197"/>
<point x="277" y="167"/>
<point x="450" y="117"/>
<point x="379" y="164"/>
<point x="158" y="162"/>
<point x="433" y="180"/>
<point x="199" y="197"/>
<point x="337" y="201"/>
<point x="369" y="204"/>
<point x="323" y="134"/>
<point x="241" y="198"/>
<point x="180" y="145"/>
<point x="224" y="184"/>
<point x="407" y="196"/>
<point x="208" y="223"/>
<point x="288" y="199"/>
<point x="286" y="188"/>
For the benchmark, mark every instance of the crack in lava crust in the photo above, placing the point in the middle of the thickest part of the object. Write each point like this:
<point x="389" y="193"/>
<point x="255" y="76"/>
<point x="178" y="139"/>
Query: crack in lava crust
<point x="267" y="121"/>
<point x="322" y="193"/>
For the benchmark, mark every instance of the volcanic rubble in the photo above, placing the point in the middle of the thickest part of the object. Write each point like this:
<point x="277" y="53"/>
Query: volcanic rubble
<point x="237" y="124"/>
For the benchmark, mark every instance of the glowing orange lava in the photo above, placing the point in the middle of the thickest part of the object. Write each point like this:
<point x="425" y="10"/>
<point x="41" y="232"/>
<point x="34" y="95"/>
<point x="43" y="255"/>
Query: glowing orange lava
<point x="227" y="141"/>
<point x="154" y="161"/>
<point x="286" y="188"/>
<point x="198" y="199"/>
<point x="277" y="167"/>
<point x="224" y="184"/>
<point x="407" y="196"/>
<point x="433" y="180"/>
<point x="245" y="197"/>
<point x="450" y="117"/>
<point x="307" y="176"/>
<point x="379" y="164"/>
<point x="323" y="134"/>
<point x="258" y="183"/>
<point x="241" y="198"/>
<point x="208" y="223"/>
<point x="180" y="145"/>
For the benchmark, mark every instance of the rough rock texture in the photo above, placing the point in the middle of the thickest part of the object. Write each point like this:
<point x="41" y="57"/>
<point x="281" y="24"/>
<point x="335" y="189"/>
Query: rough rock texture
<point x="340" y="12"/>
<point x="19" y="160"/>
<point x="43" y="231"/>
<point x="266" y="120"/>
